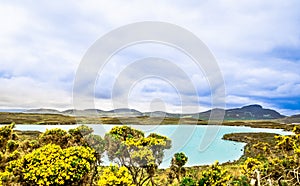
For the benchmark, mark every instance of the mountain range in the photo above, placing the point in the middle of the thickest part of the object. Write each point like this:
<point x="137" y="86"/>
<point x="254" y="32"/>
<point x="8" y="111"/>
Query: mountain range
<point x="250" y="112"/>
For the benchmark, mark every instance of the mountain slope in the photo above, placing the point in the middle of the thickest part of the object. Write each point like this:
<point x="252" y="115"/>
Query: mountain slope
<point x="42" y="111"/>
<point x="291" y="119"/>
<point x="250" y="112"/>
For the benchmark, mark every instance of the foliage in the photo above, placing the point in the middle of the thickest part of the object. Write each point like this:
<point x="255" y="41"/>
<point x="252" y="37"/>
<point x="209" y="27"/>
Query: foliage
<point x="215" y="176"/>
<point x="179" y="159"/>
<point x="240" y="181"/>
<point x="8" y="145"/>
<point x="187" y="181"/>
<point x="114" y="175"/>
<point x="80" y="136"/>
<point x="71" y="144"/>
<point x="60" y="157"/>
<point x="279" y="165"/>
<point x="82" y="130"/>
<point x="56" y="136"/>
<point x="141" y="155"/>
<point x="52" y="165"/>
<point x="12" y="145"/>
<point x="6" y="135"/>
<point x="176" y="169"/>
<point x="250" y="165"/>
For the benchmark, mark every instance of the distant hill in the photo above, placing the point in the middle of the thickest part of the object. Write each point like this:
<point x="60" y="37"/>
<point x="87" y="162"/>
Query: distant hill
<point x="161" y="114"/>
<point x="291" y="119"/>
<point x="126" y="112"/>
<point x="42" y="111"/>
<point x="250" y="112"/>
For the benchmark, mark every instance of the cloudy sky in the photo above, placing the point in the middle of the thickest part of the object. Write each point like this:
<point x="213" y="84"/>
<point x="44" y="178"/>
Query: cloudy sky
<point x="256" y="44"/>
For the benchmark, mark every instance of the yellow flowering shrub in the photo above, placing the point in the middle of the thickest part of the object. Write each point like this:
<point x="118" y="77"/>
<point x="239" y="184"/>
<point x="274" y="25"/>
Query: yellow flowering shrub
<point x="141" y="155"/>
<point x="250" y="165"/>
<point x="114" y="175"/>
<point x="56" y="136"/>
<point x="64" y="157"/>
<point x="7" y="135"/>
<point x="8" y="145"/>
<point x="278" y="165"/>
<point x="215" y="176"/>
<point x="52" y="165"/>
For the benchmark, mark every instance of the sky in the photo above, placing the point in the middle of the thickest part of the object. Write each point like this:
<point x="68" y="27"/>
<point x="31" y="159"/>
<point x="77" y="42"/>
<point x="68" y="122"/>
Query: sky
<point x="255" y="43"/>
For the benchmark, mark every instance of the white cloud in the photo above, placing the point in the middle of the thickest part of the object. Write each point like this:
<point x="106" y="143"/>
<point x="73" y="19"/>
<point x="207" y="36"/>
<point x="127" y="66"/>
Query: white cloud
<point x="42" y="44"/>
<point x="24" y="92"/>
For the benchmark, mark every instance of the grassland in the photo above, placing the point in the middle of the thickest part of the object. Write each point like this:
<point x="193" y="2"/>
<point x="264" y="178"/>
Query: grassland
<point x="59" y="119"/>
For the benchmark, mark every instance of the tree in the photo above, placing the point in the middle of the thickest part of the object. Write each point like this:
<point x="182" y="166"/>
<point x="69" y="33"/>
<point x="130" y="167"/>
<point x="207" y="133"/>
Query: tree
<point x="141" y="155"/>
<point x="176" y="169"/>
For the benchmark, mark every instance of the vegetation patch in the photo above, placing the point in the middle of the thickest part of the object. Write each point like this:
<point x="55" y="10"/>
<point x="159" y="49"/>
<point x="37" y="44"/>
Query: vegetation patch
<point x="74" y="157"/>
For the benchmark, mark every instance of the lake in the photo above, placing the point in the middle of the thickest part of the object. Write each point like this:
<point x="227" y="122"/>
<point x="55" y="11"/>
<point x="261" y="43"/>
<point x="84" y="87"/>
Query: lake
<point x="202" y="144"/>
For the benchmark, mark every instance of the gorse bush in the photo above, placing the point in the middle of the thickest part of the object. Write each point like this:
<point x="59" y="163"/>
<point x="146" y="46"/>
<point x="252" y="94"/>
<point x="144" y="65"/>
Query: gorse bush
<point x="114" y="175"/>
<point x="52" y="165"/>
<point x="57" y="157"/>
<point x="56" y="136"/>
<point x="8" y="145"/>
<point x="215" y="176"/>
<point x="275" y="166"/>
<point x="141" y="155"/>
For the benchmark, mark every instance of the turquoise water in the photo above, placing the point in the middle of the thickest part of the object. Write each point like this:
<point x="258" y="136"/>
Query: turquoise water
<point x="202" y="144"/>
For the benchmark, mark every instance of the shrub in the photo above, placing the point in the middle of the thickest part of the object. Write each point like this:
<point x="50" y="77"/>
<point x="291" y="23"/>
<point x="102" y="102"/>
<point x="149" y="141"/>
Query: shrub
<point x="176" y="168"/>
<point x="12" y="145"/>
<point x="52" y="165"/>
<point x="114" y="175"/>
<point x="215" y="176"/>
<point x="280" y="164"/>
<point x="56" y="136"/>
<point x="188" y="182"/>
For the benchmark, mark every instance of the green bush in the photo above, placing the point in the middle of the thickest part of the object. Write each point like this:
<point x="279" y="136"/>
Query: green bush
<point x="56" y="136"/>
<point x="186" y="181"/>
<point x="12" y="145"/>
<point x="176" y="169"/>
